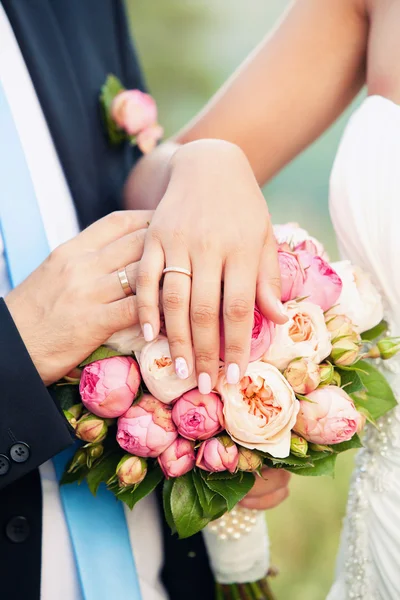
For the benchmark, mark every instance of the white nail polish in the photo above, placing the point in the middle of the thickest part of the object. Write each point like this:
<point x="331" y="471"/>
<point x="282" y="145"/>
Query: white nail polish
<point x="181" y="368"/>
<point x="148" y="333"/>
<point x="233" y="374"/>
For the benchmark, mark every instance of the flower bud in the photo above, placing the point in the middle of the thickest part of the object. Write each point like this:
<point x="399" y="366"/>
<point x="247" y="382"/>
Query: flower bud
<point x="76" y="410"/>
<point x="388" y="347"/>
<point x="303" y="375"/>
<point x="336" y="379"/>
<point x="298" y="446"/>
<point x="93" y="452"/>
<point x="326" y="373"/>
<point x="345" y="352"/>
<point x="131" y="470"/>
<point x="70" y="418"/>
<point x="249" y="460"/>
<point x="73" y="376"/>
<point x="178" y="458"/>
<point x="339" y="326"/>
<point x="78" y="461"/>
<point x="91" y="429"/>
<point x="218" y="454"/>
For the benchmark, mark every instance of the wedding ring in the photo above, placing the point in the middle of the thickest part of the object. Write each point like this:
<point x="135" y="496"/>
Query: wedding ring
<point x="177" y="270"/>
<point x="123" y="279"/>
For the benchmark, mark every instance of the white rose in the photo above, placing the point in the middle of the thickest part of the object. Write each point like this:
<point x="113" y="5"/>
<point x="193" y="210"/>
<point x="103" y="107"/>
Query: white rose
<point x="127" y="341"/>
<point x="359" y="300"/>
<point x="158" y="372"/>
<point x="261" y="410"/>
<point x="303" y="336"/>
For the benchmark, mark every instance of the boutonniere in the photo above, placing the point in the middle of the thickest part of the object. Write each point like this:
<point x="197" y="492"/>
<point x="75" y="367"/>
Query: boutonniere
<point x="129" y="115"/>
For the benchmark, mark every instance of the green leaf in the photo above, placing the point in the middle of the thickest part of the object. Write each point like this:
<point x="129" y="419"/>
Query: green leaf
<point x="102" y="471"/>
<point x="218" y="476"/>
<point x="99" y="354"/>
<point x="212" y="504"/>
<point x="167" y="490"/>
<point x="149" y="484"/>
<point x="378" y="397"/>
<point x="355" y="442"/>
<point x="291" y="460"/>
<point x="109" y="90"/>
<point x="186" y="508"/>
<point x="66" y="395"/>
<point x="375" y="332"/>
<point x="233" y="490"/>
<point x="325" y="466"/>
<point x="77" y="476"/>
<point x="350" y="380"/>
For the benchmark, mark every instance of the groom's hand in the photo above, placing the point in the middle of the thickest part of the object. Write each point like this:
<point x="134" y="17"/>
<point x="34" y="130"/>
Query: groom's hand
<point x="74" y="301"/>
<point x="269" y="490"/>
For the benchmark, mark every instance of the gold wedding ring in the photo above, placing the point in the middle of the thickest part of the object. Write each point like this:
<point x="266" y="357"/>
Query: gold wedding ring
<point x="123" y="279"/>
<point x="177" y="270"/>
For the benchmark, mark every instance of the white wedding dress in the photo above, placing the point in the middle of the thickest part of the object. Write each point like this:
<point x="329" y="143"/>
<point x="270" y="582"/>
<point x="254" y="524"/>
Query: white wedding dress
<point x="365" y="209"/>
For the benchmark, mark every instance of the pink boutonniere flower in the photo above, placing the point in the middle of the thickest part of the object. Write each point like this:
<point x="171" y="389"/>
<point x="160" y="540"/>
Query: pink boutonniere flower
<point x="130" y="115"/>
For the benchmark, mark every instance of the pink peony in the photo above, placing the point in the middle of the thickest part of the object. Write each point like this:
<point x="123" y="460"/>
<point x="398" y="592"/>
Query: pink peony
<point x="330" y="416"/>
<point x="261" y="336"/>
<point x="292" y="275"/>
<point x="146" y="429"/>
<point x="178" y="458"/>
<point x="109" y="386"/>
<point x="218" y="454"/>
<point x="198" y="416"/>
<point x="133" y="111"/>
<point x="323" y="285"/>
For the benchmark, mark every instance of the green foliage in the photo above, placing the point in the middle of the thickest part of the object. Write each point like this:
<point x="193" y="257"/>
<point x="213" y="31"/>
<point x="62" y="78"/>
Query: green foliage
<point x="99" y="354"/>
<point x="375" y="332"/>
<point x="66" y="395"/>
<point x="148" y="485"/>
<point x="112" y="86"/>
<point x="378" y="397"/>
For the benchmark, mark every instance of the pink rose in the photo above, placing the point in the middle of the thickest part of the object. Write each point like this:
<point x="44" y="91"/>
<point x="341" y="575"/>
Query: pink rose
<point x="299" y="239"/>
<point x="133" y="111"/>
<point x="109" y="386"/>
<point x="329" y="418"/>
<point x="218" y="454"/>
<point x="147" y="138"/>
<point x="261" y="336"/>
<point x="158" y="372"/>
<point x="178" y="458"/>
<point x="198" y="416"/>
<point x="323" y="285"/>
<point x="292" y="275"/>
<point x="146" y="429"/>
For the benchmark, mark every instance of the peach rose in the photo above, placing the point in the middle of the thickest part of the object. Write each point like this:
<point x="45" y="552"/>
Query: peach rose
<point x="261" y="410"/>
<point x="299" y="239"/>
<point x="304" y="335"/>
<point x="159" y="374"/>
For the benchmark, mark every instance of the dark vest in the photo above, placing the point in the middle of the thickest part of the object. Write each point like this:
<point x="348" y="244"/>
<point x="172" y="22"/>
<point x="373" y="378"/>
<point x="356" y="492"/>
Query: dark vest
<point x="69" y="47"/>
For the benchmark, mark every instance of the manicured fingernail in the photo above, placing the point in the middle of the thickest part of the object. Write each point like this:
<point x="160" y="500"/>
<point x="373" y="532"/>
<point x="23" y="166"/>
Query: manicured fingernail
<point x="233" y="374"/>
<point x="280" y="309"/>
<point x="148" y="333"/>
<point x="181" y="368"/>
<point x="204" y="383"/>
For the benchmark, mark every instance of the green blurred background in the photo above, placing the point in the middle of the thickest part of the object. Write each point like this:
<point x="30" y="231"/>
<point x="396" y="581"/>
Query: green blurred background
<point x="188" y="48"/>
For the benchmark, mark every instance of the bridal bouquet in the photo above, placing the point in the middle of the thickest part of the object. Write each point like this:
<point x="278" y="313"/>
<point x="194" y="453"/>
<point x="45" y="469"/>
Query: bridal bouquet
<point x="305" y="397"/>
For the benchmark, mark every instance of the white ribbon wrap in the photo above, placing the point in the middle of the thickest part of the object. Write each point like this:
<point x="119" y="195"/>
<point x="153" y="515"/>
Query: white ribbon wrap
<point x="238" y="546"/>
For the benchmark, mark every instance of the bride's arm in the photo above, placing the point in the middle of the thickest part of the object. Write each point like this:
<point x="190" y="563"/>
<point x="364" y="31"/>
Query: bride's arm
<point x="292" y="87"/>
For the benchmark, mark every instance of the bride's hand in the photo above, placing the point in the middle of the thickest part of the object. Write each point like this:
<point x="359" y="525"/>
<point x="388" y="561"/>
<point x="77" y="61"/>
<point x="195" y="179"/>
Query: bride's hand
<point x="269" y="490"/>
<point x="213" y="221"/>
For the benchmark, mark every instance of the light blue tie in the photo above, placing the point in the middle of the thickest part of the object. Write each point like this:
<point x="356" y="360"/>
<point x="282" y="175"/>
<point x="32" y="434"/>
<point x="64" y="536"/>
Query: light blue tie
<point x="97" y="525"/>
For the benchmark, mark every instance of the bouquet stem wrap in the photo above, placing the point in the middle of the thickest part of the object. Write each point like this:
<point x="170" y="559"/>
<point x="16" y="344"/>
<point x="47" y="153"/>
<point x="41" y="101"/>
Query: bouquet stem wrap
<point x="241" y="559"/>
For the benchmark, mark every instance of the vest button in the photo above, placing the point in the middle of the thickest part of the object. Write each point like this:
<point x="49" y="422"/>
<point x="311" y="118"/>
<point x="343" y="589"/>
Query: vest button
<point x="20" y="452"/>
<point x="18" y="529"/>
<point x="4" y="464"/>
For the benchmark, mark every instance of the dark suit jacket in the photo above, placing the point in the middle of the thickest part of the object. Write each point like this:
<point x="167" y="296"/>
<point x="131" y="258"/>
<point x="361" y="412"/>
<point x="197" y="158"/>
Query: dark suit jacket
<point x="69" y="47"/>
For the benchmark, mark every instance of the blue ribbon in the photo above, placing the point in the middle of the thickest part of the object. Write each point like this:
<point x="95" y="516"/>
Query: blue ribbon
<point x="97" y="525"/>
